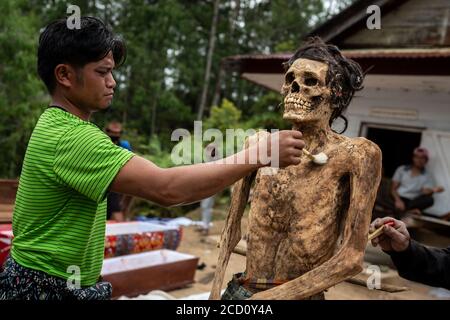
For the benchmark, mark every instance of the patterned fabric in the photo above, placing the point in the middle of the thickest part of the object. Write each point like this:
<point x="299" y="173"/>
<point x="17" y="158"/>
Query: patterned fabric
<point x="235" y="290"/>
<point x="172" y="238"/>
<point x="240" y="288"/>
<point x="19" y="283"/>
<point x="120" y="245"/>
<point x="262" y="284"/>
<point x="60" y="211"/>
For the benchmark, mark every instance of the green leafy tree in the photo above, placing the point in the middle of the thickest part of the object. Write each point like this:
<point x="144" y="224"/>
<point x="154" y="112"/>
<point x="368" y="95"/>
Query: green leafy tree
<point x="159" y="88"/>
<point x="22" y="96"/>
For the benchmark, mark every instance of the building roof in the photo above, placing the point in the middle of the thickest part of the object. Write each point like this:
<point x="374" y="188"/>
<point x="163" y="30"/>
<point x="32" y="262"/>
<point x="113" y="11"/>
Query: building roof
<point x="404" y="24"/>
<point x="432" y="61"/>
<point x="414" y="39"/>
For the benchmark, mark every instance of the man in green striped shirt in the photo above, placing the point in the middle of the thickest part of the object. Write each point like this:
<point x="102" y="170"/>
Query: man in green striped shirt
<point x="70" y="165"/>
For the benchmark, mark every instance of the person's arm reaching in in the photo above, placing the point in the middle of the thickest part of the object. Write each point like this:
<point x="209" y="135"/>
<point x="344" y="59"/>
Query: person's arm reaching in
<point x="413" y="260"/>
<point x="186" y="184"/>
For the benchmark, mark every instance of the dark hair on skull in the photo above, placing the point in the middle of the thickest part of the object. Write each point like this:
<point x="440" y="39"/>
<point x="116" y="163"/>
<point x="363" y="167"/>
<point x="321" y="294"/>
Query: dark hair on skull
<point x="344" y="75"/>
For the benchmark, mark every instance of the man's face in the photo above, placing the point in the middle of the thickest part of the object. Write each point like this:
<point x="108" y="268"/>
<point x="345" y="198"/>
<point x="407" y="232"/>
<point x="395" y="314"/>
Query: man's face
<point x="419" y="161"/>
<point x="94" y="88"/>
<point x="114" y="131"/>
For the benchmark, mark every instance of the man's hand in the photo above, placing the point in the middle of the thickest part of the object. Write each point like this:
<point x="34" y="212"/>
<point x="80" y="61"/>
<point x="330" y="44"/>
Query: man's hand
<point x="394" y="238"/>
<point x="289" y="143"/>
<point x="399" y="204"/>
<point x="290" y="147"/>
<point x="430" y="191"/>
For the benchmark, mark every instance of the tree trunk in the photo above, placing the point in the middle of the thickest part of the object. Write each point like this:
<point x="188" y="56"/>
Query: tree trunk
<point x="129" y="96"/>
<point x="217" y="91"/>
<point x="153" y="121"/>
<point x="211" y="45"/>
<point x="124" y="117"/>
<point x="235" y="15"/>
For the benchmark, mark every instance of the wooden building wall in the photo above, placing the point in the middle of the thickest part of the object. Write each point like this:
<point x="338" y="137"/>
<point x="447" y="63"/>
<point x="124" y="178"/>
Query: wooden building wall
<point x="416" y="23"/>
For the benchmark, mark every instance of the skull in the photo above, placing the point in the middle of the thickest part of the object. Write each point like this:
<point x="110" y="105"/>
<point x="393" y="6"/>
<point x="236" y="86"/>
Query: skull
<point x="306" y="95"/>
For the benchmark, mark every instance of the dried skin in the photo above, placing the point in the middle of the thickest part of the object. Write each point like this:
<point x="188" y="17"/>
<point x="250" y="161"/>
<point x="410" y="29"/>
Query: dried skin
<point x="308" y="215"/>
<point x="308" y="224"/>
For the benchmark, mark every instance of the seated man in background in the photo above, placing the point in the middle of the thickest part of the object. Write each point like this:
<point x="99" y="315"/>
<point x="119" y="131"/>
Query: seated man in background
<point x="413" y="186"/>
<point x="114" y="130"/>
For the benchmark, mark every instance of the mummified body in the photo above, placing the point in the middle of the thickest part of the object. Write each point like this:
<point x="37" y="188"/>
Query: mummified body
<point x="308" y="224"/>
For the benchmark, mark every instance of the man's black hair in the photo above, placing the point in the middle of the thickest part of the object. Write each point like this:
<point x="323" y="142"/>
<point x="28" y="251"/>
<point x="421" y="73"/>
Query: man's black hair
<point x="344" y="75"/>
<point x="77" y="47"/>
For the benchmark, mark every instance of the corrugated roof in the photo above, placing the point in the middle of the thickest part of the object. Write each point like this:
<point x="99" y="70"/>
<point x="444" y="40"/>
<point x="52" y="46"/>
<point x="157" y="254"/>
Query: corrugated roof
<point x="433" y="61"/>
<point x="360" y="53"/>
<point x="399" y="53"/>
<point x="277" y="56"/>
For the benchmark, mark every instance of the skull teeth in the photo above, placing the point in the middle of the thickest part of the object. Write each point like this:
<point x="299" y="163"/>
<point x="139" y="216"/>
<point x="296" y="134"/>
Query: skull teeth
<point x="297" y="102"/>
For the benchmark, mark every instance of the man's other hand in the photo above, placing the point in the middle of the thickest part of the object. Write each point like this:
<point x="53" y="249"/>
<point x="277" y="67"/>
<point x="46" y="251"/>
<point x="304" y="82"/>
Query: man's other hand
<point x="394" y="238"/>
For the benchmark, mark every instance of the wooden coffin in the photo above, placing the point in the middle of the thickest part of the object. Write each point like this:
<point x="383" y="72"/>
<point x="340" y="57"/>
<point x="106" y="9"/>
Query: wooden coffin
<point x="141" y="273"/>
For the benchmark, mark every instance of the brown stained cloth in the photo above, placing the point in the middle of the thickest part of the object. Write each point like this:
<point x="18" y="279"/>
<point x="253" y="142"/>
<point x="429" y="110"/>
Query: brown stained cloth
<point x="240" y="288"/>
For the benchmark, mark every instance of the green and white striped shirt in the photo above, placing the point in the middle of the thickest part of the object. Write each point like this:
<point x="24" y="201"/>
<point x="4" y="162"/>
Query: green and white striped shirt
<point x="60" y="212"/>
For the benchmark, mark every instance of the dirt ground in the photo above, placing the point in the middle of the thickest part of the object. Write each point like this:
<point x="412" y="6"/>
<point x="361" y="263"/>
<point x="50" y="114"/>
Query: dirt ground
<point x="207" y="251"/>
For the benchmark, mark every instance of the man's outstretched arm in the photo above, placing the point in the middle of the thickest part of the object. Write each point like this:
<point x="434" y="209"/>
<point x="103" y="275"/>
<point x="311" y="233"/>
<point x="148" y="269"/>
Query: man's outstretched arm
<point x="187" y="184"/>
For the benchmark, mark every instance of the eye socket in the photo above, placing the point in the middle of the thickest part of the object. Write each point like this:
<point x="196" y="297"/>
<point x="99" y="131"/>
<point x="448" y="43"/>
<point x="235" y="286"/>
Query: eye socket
<point x="311" y="81"/>
<point x="290" y="77"/>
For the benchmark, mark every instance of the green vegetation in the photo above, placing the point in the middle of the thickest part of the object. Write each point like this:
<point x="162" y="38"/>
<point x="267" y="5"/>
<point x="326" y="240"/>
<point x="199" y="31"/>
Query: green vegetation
<point x="160" y="86"/>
